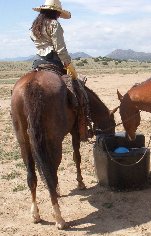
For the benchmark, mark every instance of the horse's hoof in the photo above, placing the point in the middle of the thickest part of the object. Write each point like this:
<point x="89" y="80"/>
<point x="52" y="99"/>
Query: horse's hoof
<point x="61" y="225"/>
<point x="81" y="186"/>
<point x="35" y="213"/>
<point x="37" y="220"/>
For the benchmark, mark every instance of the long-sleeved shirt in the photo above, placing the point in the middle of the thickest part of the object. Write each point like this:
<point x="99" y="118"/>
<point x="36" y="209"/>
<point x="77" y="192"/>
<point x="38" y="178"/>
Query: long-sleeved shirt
<point x="51" y="39"/>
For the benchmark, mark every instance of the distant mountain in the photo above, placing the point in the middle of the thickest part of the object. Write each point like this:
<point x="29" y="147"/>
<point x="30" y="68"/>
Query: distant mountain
<point x="32" y="57"/>
<point x="129" y="55"/>
<point x="79" y="54"/>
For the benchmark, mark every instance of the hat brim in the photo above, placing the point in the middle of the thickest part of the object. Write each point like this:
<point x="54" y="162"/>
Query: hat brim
<point x="63" y="13"/>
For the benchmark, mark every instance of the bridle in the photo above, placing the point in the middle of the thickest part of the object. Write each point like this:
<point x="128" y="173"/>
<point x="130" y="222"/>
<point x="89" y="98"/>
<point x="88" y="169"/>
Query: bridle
<point x="120" y="123"/>
<point x="125" y="121"/>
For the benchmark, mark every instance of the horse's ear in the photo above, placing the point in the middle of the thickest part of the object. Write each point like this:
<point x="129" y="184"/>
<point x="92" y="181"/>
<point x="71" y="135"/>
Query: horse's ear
<point x="120" y="97"/>
<point x="114" y="110"/>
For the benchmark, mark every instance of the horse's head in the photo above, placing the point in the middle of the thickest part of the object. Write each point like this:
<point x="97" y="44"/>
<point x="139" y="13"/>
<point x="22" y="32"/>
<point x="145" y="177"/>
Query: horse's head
<point x="130" y="115"/>
<point x="107" y="123"/>
<point x="102" y="117"/>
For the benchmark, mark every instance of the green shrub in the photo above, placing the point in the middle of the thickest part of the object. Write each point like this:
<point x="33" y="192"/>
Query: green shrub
<point x="19" y="187"/>
<point x="80" y="64"/>
<point x="11" y="175"/>
<point x="96" y="59"/>
<point x="104" y="63"/>
<point x="107" y="59"/>
<point x="78" y="58"/>
<point x="84" y="61"/>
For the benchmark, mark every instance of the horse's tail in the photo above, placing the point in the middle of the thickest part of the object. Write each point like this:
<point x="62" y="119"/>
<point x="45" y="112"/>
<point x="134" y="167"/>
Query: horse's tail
<point x="35" y="108"/>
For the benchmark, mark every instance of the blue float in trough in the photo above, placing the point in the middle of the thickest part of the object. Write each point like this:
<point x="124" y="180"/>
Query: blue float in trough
<point x="121" y="150"/>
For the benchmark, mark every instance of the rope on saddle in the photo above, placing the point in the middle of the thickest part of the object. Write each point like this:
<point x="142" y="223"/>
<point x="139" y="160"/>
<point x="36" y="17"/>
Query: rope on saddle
<point x="85" y="102"/>
<point x="79" y="99"/>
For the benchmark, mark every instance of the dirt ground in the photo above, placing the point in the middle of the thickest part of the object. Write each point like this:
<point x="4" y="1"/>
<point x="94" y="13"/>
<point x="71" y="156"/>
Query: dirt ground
<point x="94" y="211"/>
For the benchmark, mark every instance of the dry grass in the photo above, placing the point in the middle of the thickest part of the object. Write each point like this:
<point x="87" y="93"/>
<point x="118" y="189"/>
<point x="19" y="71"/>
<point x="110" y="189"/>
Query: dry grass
<point x="9" y="71"/>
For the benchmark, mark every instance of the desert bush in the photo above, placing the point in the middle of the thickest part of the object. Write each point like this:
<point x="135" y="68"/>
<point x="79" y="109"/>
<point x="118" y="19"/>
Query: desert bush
<point x="19" y="187"/>
<point x="77" y="59"/>
<point x="104" y="63"/>
<point x="9" y="155"/>
<point x="80" y="64"/>
<point x="107" y="59"/>
<point x="11" y="175"/>
<point x="84" y="61"/>
<point x="96" y="59"/>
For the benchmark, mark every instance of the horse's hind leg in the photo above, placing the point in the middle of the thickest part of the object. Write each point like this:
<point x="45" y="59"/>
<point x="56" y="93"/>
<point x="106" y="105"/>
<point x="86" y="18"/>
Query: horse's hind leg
<point x="77" y="157"/>
<point x="56" y="149"/>
<point x="60" y="222"/>
<point x="31" y="179"/>
<point x="32" y="183"/>
<point x="26" y="154"/>
<point x="49" y="168"/>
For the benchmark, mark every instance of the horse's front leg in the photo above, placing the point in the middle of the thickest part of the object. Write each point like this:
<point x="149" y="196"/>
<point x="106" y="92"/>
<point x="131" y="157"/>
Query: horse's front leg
<point x="77" y="157"/>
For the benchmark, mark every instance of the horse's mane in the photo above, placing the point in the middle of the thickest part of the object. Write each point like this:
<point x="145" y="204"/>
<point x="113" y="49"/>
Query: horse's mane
<point x="96" y="96"/>
<point x="137" y="84"/>
<point x="92" y="92"/>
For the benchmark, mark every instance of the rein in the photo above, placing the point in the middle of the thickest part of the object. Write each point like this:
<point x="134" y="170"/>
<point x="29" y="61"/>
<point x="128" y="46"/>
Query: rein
<point x="127" y="119"/>
<point x="120" y="123"/>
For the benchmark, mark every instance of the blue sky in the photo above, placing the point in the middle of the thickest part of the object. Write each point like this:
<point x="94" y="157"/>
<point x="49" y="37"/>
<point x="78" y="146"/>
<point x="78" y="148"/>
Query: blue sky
<point x="97" y="27"/>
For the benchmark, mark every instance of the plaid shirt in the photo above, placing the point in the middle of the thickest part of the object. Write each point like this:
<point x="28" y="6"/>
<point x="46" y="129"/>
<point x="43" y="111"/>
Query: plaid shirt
<point x="52" y="39"/>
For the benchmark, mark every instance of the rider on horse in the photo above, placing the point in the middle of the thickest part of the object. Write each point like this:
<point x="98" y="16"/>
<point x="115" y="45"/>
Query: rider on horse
<point x="47" y="35"/>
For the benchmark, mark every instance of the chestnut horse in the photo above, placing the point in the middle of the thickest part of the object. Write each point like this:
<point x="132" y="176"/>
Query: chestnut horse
<point x="137" y="99"/>
<point x="42" y="116"/>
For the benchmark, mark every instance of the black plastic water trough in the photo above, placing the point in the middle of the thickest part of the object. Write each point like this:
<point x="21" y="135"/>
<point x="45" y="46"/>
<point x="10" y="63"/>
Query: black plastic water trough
<point x="121" y="171"/>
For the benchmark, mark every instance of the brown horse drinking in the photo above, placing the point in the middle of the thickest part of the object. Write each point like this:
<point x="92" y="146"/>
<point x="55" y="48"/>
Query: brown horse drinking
<point x="137" y="99"/>
<point x="42" y="116"/>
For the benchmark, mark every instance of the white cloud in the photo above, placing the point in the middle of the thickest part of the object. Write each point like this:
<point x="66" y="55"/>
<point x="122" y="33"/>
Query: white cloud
<point x="14" y="36"/>
<point x="16" y="48"/>
<point x="16" y="42"/>
<point x="113" y="7"/>
<point x="103" y="37"/>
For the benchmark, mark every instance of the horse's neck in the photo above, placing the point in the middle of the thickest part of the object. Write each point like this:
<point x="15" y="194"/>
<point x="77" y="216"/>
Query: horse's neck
<point x="141" y="98"/>
<point x="97" y="107"/>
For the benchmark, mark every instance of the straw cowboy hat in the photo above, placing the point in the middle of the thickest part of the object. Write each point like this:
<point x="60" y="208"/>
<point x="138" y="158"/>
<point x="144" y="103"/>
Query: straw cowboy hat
<point x="54" y="5"/>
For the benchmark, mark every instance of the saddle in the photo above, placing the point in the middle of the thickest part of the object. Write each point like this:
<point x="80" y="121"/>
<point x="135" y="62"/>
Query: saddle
<point x="77" y="97"/>
<point x="54" y="66"/>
